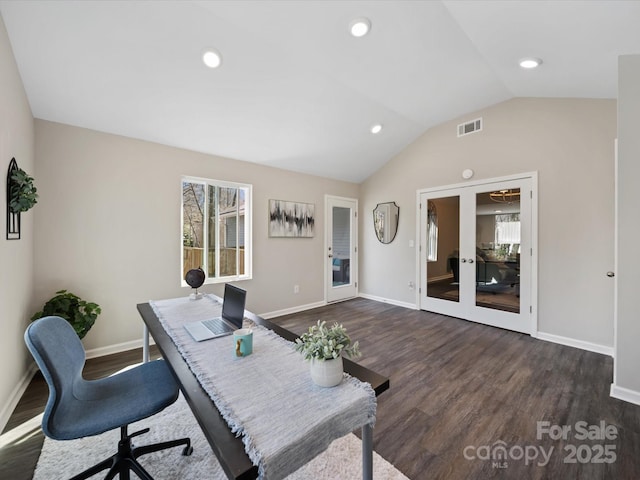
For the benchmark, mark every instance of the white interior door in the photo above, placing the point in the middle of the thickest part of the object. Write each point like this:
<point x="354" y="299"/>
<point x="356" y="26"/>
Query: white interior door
<point x="341" y="271"/>
<point x="476" y="253"/>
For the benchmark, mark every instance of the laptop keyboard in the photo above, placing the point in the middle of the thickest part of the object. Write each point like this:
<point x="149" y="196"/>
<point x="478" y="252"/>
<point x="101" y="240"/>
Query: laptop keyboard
<point x="216" y="326"/>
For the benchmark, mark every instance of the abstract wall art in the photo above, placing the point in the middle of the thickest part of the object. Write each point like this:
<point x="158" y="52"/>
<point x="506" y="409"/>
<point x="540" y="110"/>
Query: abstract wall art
<point x="291" y="219"/>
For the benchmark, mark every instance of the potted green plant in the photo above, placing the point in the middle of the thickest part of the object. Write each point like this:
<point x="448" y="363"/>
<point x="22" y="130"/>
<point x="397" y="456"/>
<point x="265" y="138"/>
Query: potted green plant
<point x="324" y="347"/>
<point x="79" y="313"/>
<point x="22" y="192"/>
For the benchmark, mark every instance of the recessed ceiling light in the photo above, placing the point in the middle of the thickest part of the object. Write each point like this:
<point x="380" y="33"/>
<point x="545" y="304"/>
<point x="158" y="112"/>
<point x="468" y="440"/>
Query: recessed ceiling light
<point x="530" y="62"/>
<point x="212" y="58"/>
<point x="377" y="128"/>
<point x="360" y="27"/>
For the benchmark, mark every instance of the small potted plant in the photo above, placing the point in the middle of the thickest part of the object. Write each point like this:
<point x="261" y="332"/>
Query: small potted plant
<point x="22" y="192"/>
<point x="79" y="313"/>
<point x="324" y="347"/>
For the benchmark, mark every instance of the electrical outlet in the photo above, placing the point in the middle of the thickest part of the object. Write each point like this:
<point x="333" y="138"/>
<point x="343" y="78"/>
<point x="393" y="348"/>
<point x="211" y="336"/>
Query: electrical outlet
<point x="296" y="289"/>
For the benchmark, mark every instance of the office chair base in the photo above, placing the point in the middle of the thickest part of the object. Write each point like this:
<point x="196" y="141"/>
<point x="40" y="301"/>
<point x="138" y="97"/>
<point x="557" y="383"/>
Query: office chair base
<point x="124" y="461"/>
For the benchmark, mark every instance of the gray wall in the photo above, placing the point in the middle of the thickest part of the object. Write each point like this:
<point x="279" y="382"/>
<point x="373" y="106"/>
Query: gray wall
<point x="627" y="358"/>
<point x="570" y="143"/>
<point x="16" y="256"/>
<point x="109" y="226"/>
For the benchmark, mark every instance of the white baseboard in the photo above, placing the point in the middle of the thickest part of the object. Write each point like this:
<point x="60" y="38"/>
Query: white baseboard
<point x="117" y="348"/>
<point x="625" y="394"/>
<point x="572" y="342"/>
<point x="302" y="308"/>
<point x="397" y="303"/>
<point x="288" y="311"/>
<point x="16" y="395"/>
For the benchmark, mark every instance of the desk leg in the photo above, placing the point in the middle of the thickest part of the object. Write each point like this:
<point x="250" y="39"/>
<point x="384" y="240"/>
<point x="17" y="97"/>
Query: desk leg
<point x="367" y="452"/>
<point x="145" y="344"/>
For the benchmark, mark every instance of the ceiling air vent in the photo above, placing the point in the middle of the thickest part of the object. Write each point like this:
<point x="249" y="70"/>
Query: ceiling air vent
<point x="470" y="127"/>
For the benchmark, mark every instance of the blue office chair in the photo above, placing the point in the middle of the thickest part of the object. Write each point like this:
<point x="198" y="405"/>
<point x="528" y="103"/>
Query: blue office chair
<point x="79" y="408"/>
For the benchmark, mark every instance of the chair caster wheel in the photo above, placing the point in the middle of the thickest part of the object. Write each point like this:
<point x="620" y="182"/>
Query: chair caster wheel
<point x="187" y="451"/>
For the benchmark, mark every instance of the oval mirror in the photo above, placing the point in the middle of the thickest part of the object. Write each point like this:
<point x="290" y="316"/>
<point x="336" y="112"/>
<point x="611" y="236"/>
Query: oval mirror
<point x="385" y="221"/>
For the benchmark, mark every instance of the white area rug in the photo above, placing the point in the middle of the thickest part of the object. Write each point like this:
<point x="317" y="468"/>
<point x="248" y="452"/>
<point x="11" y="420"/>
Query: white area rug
<point x="63" y="459"/>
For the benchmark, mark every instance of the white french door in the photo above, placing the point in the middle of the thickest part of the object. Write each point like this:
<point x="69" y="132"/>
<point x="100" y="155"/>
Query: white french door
<point x="476" y="254"/>
<point x="341" y="240"/>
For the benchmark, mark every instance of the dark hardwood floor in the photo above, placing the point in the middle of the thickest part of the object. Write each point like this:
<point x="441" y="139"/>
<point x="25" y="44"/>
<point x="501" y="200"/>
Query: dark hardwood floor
<point x="456" y="387"/>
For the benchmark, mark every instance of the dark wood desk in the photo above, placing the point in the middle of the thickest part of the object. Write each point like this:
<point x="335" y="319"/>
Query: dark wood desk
<point x="228" y="448"/>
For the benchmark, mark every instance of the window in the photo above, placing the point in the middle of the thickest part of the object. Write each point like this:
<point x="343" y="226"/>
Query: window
<point x="508" y="228"/>
<point x="507" y="236"/>
<point x="216" y="229"/>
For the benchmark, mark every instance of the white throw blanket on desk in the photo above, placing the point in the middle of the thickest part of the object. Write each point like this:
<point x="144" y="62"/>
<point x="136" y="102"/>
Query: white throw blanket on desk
<point x="268" y="397"/>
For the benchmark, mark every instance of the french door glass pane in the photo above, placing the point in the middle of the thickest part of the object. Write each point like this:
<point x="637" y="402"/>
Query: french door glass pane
<point x="443" y="272"/>
<point x="498" y="250"/>
<point x="341" y="244"/>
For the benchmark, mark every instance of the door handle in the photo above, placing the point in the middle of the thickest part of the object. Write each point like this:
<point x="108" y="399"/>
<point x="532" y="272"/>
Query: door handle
<point x="330" y="256"/>
<point x="611" y="274"/>
<point x="463" y="260"/>
<point x="470" y="260"/>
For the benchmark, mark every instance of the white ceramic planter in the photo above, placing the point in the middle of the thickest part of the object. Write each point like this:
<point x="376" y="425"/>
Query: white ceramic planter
<point x="327" y="373"/>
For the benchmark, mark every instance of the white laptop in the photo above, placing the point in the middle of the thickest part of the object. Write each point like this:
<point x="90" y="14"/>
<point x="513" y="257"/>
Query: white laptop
<point x="232" y="315"/>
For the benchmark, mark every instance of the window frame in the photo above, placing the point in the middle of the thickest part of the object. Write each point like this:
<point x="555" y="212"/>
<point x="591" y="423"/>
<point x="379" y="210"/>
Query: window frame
<point x="248" y="224"/>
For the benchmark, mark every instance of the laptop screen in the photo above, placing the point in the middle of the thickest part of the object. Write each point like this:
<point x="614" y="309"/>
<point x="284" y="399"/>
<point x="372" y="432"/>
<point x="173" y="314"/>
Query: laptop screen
<point x="233" y="304"/>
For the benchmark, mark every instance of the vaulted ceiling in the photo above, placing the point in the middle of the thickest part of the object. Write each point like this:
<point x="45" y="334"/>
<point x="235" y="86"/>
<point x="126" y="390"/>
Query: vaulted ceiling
<point x="295" y="90"/>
